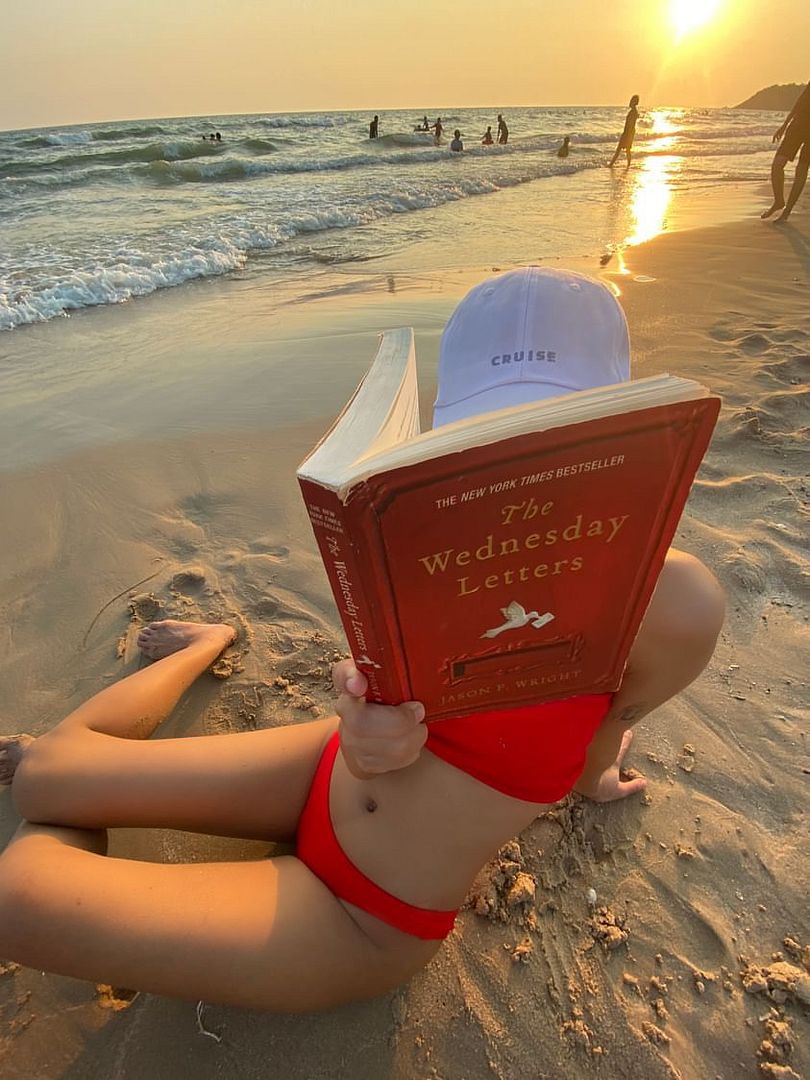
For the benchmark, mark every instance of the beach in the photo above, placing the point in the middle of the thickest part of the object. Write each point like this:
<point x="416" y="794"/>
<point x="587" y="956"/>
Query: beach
<point x="149" y="455"/>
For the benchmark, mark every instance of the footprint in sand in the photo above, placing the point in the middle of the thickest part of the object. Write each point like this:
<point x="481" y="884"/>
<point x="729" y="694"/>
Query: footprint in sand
<point x="190" y="580"/>
<point x="262" y="547"/>
<point x="146" y="607"/>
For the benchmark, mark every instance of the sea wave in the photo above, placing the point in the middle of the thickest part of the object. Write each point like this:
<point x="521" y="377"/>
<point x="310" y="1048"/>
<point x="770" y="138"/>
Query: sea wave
<point x="60" y="138"/>
<point x="140" y="272"/>
<point x="307" y="120"/>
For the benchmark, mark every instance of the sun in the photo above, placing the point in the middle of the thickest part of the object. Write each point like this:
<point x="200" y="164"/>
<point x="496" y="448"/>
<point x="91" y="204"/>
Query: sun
<point x="689" y="15"/>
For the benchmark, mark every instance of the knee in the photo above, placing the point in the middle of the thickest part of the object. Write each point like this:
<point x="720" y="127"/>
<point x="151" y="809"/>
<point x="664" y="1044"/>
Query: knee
<point x="688" y="605"/>
<point x="18" y="899"/>
<point x="35" y="777"/>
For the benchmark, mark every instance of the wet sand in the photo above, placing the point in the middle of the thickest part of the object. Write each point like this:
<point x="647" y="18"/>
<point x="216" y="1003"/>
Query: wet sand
<point x="666" y="936"/>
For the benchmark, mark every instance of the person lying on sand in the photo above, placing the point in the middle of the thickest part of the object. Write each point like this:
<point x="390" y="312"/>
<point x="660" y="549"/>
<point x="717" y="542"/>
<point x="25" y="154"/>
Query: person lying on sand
<point x="392" y="818"/>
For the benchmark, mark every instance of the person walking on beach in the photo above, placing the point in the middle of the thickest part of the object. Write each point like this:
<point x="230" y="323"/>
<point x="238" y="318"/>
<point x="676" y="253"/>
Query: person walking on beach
<point x="503" y="131"/>
<point x="487" y="139"/>
<point x="457" y="145"/>
<point x="565" y="149"/>
<point x="373" y="127"/>
<point x="628" y="135"/>
<point x="796" y="132"/>
<point x="392" y="817"/>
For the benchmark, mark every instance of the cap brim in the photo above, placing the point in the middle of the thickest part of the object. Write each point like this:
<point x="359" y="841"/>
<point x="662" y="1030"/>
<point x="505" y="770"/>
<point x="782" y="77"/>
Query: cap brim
<point x="498" y="397"/>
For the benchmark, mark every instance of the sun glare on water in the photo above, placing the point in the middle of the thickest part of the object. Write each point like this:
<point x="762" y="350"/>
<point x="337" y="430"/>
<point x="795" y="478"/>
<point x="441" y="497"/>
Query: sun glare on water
<point x="689" y="15"/>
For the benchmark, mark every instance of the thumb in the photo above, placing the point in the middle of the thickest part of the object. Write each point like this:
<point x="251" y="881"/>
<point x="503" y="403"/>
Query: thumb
<point x="347" y="679"/>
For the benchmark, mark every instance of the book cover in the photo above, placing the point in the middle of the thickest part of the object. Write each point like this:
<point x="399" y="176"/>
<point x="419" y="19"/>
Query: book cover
<point x="513" y="572"/>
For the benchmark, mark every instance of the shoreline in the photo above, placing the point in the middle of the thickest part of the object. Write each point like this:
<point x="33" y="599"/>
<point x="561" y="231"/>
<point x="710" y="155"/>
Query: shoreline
<point x="168" y="444"/>
<point x="173" y="358"/>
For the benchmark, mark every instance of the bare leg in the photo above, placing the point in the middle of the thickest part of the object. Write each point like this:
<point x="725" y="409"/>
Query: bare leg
<point x="778" y="185"/>
<point x="265" y="934"/>
<point x="615" y="157"/>
<point x="674" y="644"/>
<point x="98" y="769"/>
<point x="796" y="189"/>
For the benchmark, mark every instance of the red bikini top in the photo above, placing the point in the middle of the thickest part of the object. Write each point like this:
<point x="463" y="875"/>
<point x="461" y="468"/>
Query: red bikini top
<point x="533" y="752"/>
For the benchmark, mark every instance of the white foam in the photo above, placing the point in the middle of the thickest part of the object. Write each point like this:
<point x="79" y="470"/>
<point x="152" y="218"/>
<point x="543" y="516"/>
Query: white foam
<point x="67" y="138"/>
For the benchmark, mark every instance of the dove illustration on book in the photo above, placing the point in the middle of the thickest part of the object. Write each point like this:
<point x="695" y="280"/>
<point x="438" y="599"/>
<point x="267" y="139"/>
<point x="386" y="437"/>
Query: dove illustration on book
<point x="517" y="617"/>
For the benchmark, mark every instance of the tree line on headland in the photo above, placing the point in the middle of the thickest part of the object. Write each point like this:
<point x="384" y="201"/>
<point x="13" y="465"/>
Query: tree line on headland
<point x="779" y="98"/>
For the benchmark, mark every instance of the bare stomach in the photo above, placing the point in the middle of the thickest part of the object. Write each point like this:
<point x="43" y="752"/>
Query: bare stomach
<point x="423" y="833"/>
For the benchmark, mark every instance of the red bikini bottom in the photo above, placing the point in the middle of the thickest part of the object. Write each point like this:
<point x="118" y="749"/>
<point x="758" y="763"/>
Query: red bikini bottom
<point x="319" y="850"/>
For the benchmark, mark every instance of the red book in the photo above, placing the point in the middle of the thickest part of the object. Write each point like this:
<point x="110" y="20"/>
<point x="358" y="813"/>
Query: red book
<point x="504" y="559"/>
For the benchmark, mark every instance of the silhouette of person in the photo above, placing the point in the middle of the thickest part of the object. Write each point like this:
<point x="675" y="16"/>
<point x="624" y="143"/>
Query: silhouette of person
<point x="487" y="139"/>
<point x="457" y="144"/>
<point x="796" y="132"/>
<point x="629" y="133"/>
<point x="373" y="126"/>
<point x="503" y="131"/>
<point x="438" y="128"/>
<point x="425" y="124"/>
<point x="565" y="148"/>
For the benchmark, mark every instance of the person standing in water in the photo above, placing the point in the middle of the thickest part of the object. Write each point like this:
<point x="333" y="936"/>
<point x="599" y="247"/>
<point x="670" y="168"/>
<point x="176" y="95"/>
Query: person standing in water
<point x="373" y="127"/>
<point x="629" y="133"/>
<point x="565" y="149"/>
<point x="503" y="131"/>
<point x="796" y="132"/>
<point x="487" y="139"/>
<point x="438" y="128"/>
<point x="457" y="145"/>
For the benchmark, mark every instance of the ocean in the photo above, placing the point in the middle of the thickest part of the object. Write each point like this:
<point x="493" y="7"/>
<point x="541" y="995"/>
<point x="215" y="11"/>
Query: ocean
<point x="103" y="213"/>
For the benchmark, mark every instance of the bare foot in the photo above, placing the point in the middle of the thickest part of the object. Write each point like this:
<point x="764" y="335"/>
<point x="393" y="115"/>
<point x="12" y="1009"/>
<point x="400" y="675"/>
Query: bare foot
<point x="610" y="786"/>
<point x="12" y="749"/>
<point x="767" y="213"/>
<point x="784" y="215"/>
<point x="160" y="639"/>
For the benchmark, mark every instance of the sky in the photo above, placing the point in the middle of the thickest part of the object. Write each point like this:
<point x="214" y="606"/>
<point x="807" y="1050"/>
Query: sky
<point x="79" y="61"/>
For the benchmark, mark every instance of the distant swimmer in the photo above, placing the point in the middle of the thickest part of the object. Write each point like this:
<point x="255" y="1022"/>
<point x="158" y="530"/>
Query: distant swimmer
<point x="487" y="139"/>
<point x="218" y="137"/>
<point x="438" y="128"/>
<point x="629" y="133"/>
<point x="565" y="149"/>
<point x="457" y="144"/>
<point x="424" y="126"/>
<point x="796" y="132"/>
<point x="503" y="131"/>
<point x="373" y="126"/>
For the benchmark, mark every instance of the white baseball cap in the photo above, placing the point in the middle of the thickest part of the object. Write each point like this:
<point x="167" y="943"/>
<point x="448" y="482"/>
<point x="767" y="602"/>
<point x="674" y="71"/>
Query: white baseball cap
<point x="526" y="335"/>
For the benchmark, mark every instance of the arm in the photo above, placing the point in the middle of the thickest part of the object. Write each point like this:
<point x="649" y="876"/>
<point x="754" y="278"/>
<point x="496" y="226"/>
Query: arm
<point x="675" y="643"/>
<point x="780" y="131"/>
<point x="375" y="739"/>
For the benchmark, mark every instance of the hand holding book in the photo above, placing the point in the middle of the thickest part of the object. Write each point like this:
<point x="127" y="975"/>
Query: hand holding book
<point x="375" y="738"/>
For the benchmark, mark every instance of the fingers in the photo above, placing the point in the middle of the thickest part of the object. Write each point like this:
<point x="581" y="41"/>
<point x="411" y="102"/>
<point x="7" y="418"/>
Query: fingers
<point x="631" y="787"/>
<point x="375" y="738"/>
<point x="627" y="739"/>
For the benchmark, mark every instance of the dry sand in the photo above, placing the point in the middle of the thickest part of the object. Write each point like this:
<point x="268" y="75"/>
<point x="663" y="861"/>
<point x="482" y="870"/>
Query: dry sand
<point x="666" y="936"/>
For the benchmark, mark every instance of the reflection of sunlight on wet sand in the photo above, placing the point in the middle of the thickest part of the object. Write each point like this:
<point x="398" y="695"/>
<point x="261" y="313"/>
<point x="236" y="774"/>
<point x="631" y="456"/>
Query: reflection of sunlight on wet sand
<point x="652" y="193"/>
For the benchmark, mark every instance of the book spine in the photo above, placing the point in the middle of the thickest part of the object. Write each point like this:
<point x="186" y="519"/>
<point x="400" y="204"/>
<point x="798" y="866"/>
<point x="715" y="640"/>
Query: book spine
<point x="353" y="580"/>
